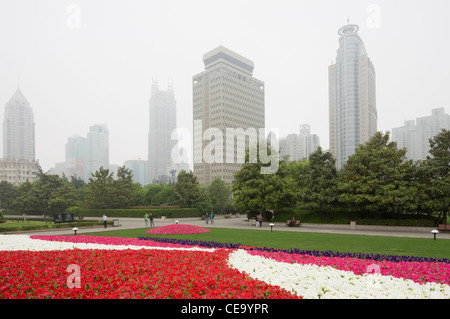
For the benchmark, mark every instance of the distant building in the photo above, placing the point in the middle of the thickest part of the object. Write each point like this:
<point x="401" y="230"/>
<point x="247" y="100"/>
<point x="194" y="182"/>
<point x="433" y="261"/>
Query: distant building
<point x="299" y="146"/>
<point x="415" y="135"/>
<point x="352" y="96"/>
<point x="139" y="169"/>
<point x="225" y="96"/>
<point x="76" y="158"/>
<point x="18" y="164"/>
<point x="162" y="122"/>
<point x="97" y="148"/>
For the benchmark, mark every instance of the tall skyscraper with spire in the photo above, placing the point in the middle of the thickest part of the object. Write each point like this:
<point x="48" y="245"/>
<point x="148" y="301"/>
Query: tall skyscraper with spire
<point x="352" y="96"/>
<point x="19" y="163"/>
<point x="162" y="122"/>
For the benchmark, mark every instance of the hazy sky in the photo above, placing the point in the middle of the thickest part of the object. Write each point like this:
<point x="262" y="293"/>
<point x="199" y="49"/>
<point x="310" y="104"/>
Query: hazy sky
<point x="92" y="61"/>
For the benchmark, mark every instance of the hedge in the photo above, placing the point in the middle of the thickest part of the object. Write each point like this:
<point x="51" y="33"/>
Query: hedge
<point x="138" y="213"/>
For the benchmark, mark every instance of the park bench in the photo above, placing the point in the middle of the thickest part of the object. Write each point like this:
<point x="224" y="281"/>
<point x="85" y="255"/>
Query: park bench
<point x="443" y="227"/>
<point x="296" y="224"/>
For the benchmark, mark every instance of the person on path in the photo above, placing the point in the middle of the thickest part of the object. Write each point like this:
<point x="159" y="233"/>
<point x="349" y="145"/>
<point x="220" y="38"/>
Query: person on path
<point x="146" y="219"/>
<point x="212" y="217"/>
<point x="260" y="220"/>
<point x="104" y="219"/>
<point x="151" y="220"/>
<point x="206" y="217"/>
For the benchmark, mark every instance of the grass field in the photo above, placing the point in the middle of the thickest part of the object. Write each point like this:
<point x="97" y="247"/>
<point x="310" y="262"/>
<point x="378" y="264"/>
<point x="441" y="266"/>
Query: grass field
<point x="312" y="241"/>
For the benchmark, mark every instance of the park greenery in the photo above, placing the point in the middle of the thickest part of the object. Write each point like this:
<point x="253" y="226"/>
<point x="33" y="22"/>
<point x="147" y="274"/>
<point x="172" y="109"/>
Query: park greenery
<point x="377" y="181"/>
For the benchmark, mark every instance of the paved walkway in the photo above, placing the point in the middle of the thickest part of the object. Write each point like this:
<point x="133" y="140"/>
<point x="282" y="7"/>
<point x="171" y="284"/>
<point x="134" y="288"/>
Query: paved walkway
<point x="242" y="223"/>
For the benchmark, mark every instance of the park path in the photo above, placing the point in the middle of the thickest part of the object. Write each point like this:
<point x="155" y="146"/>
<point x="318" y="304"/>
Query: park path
<point x="243" y="223"/>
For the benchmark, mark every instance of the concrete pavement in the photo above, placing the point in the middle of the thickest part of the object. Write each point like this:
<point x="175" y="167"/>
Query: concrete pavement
<point x="243" y="223"/>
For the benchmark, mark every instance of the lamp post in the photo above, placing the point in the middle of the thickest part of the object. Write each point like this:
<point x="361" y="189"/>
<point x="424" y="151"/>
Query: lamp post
<point x="435" y="232"/>
<point x="271" y="226"/>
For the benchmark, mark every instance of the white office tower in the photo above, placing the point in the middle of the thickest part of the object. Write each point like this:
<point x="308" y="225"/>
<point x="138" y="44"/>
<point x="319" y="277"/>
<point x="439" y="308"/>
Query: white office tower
<point x="97" y="148"/>
<point x="225" y="96"/>
<point x="162" y="122"/>
<point x="352" y="100"/>
<point x="18" y="164"/>
<point x="415" y="135"/>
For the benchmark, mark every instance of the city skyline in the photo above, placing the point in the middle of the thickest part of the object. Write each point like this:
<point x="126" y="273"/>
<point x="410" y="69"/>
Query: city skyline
<point x="99" y="68"/>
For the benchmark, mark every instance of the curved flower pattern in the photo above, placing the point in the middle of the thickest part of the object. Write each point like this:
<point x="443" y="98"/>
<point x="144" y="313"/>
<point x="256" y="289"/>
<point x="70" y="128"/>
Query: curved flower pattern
<point x="176" y="229"/>
<point x="110" y="267"/>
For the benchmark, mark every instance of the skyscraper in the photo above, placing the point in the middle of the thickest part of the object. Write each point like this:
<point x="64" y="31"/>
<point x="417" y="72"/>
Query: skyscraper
<point x="18" y="129"/>
<point x="225" y="96"/>
<point x="162" y="122"/>
<point x="352" y="99"/>
<point x="18" y="164"/>
<point x="97" y="148"/>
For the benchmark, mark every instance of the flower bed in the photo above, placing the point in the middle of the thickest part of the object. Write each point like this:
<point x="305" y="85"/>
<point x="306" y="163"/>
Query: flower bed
<point x="177" y="229"/>
<point x="37" y="267"/>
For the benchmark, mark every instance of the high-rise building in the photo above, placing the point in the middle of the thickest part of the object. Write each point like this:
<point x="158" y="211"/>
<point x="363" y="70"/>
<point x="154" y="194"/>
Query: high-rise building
<point x="18" y="164"/>
<point x="76" y="158"/>
<point x="162" y="122"/>
<point x="299" y="146"/>
<point x="97" y="148"/>
<point x="415" y="135"/>
<point x="225" y="96"/>
<point x="352" y="99"/>
<point x="18" y="129"/>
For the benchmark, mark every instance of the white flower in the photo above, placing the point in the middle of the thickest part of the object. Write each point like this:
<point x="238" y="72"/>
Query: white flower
<point x="24" y="242"/>
<point x="313" y="282"/>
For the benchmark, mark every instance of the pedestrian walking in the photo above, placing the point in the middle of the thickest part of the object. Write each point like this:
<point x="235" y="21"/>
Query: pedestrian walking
<point x="206" y="218"/>
<point x="151" y="220"/>
<point x="260" y="219"/>
<point x="104" y="219"/>
<point x="146" y="219"/>
<point x="212" y="217"/>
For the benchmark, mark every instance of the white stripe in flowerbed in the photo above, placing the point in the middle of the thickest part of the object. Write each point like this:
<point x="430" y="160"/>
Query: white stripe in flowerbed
<point x="24" y="242"/>
<point x="314" y="282"/>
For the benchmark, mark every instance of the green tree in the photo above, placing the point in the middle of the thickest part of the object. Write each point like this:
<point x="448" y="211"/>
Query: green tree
<point x="123" y="188"/>
<point x="439" y="172"/>
<point x="318" y="181"/>
<point x="48" y="194"/>
<point x="378" y="179"/>
<point x="166" y="196"/>
<point x="218" y="194"/>
<point x="187" y="189"/>
<point x="254" y="191"/>
<point x="8" y="193"/>
<point x="100" y="190"/>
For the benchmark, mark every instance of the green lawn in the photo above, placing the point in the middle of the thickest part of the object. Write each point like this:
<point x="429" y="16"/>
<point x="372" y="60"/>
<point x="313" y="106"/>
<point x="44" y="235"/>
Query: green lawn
<point x="422" y="247"/>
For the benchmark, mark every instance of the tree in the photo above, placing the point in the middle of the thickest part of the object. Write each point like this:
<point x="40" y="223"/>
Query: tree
<point x="123" y="188"/>
<point x="48" y="194"/>
<point x="100" y="190"/>
<point x="218" y="194"/>
<point x="439" y="172"/>
<point x="8" y="193"/>
<point x="187" y="189"/>
<point x="378" y="179"/>
<point x="318" y="181"/>
<point x="256" y="192"/>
